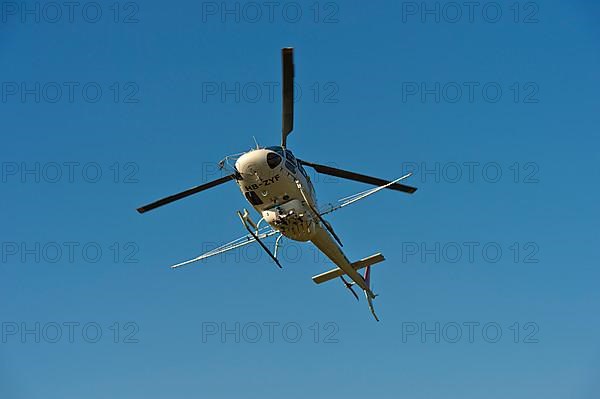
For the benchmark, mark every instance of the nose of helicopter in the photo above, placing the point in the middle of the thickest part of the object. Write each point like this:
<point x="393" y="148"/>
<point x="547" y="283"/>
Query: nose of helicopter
<point x="261" y="162"/>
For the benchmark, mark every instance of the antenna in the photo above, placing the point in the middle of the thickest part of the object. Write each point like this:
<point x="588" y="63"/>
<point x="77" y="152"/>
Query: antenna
<point x="256" y="142"/>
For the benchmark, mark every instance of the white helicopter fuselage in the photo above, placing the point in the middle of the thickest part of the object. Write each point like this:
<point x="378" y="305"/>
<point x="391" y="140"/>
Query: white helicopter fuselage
<point x="270" y="178"/>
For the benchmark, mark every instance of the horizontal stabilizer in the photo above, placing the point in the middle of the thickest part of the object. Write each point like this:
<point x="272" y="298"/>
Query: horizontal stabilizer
<point x="337" y="272"/>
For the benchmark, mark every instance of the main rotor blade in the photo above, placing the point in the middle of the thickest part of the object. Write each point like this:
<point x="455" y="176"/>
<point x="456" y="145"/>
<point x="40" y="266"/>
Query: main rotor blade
<point x="287" y="63"/>
<point x="345" y="174"/>
<point x="183" y="194"/>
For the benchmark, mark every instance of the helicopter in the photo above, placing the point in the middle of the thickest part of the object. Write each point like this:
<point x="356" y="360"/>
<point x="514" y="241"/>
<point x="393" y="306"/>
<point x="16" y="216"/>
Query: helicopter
<point x="277" y="186"/>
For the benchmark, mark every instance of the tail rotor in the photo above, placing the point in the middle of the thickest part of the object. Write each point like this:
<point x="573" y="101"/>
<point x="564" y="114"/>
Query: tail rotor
<point x="368" y="293"/>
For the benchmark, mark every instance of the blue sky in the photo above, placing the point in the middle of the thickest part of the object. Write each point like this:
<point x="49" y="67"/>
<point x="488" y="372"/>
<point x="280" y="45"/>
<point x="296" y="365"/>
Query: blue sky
<point x="495" y="113"/>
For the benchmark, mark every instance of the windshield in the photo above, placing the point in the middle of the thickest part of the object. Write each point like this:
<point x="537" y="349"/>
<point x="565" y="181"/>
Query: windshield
<point x="277" y="149"/>
<point x="290" y="156"/>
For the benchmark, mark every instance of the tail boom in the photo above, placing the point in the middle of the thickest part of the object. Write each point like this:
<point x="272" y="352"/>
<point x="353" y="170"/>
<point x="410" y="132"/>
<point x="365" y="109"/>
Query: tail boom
<point x="326" y="244"/>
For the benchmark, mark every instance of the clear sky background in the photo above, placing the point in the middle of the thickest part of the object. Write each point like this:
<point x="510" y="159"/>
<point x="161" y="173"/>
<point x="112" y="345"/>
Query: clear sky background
<point x="178" y="91"/>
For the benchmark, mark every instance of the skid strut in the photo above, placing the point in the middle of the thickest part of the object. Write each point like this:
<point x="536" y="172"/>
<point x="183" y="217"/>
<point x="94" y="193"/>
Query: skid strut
<point x="244" y="218"/>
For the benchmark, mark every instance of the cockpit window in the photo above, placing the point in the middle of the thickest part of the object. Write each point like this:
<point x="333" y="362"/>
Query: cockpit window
<point x="273" y="160"/>
<point x="290" y="156"/>
<point x="290" y="166"/>
<point x="303" y="171"/>
<point x="277" y="149"/>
